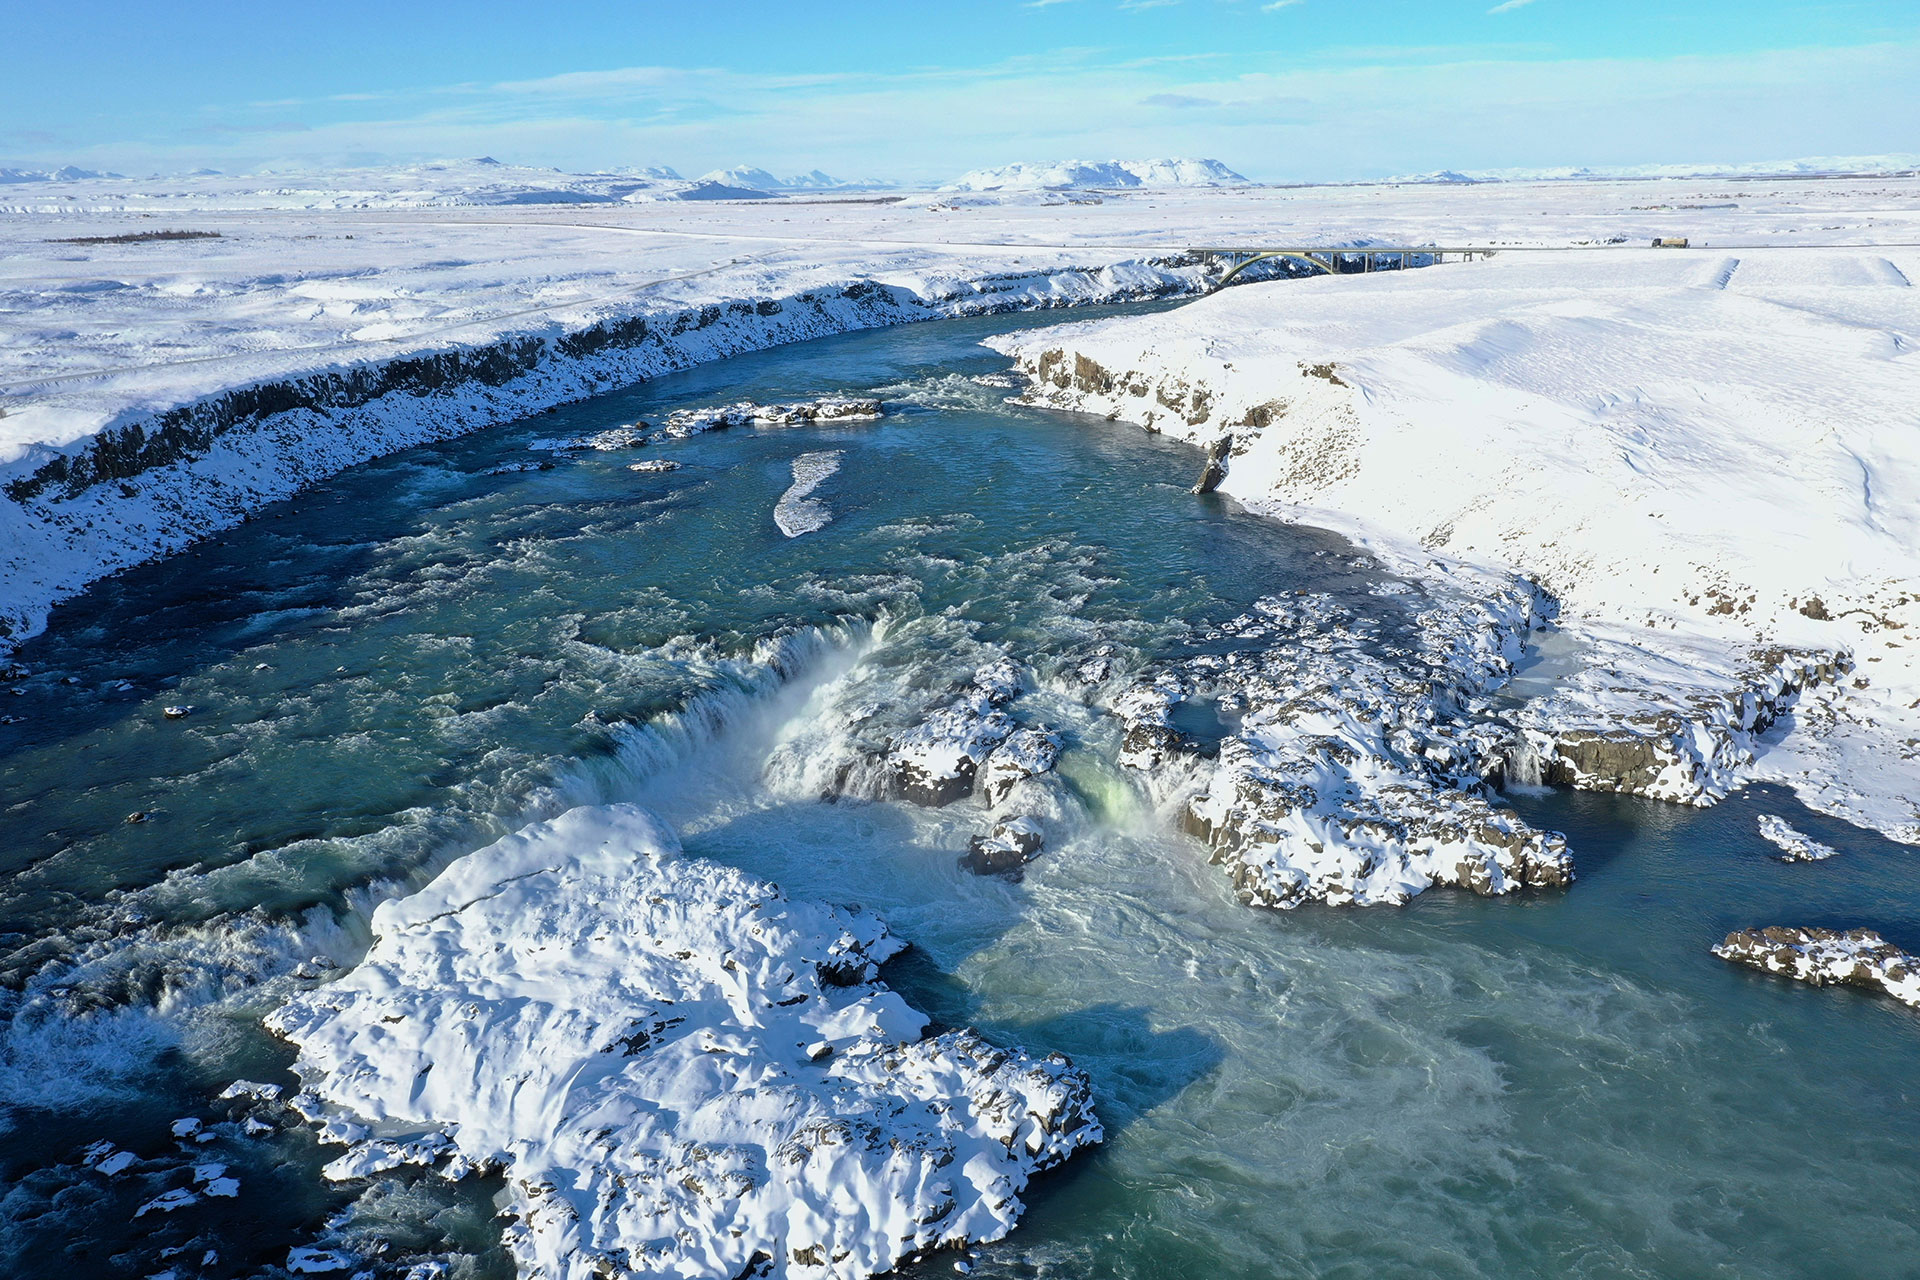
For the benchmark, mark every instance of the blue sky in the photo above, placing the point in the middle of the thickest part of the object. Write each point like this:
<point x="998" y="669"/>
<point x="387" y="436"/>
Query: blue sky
<point x="1304" y="90"/>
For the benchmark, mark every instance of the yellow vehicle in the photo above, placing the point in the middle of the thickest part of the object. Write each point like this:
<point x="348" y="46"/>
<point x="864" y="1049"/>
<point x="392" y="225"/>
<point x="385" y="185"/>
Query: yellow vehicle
<point x="1670" y="242"/>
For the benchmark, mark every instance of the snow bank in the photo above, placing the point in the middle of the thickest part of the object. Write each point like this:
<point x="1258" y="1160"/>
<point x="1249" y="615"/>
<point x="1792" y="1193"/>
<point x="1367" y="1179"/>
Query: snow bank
<point x="679" y="1070"/>
<point x="1707" y="458"/>
<point x="88" y="490"/>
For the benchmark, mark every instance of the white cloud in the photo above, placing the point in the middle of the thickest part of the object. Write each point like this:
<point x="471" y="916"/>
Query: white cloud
<point x="1507" y="6"/>
<point x="1277" y="5"/>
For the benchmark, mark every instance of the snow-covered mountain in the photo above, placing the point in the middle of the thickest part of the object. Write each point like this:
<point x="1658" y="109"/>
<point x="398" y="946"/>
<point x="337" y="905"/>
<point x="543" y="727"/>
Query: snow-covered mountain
<point x="1108" y="174"/>
<point x="1813" y="166"/>
<point x="482" y="180"/>
<point x="757" y="179"/>
<point x="1441" y="176"/>
<point x="66" y="173"/>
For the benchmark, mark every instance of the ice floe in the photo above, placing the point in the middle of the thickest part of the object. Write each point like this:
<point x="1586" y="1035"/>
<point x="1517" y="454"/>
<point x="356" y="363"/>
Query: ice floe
<point x="1794" y="845"/>
<point x="798" y="511"/>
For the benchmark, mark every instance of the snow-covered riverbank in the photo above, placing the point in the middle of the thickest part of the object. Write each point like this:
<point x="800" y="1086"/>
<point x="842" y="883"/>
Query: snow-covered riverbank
<point x="1707" y="458"/>
<point x="102" y="472"/>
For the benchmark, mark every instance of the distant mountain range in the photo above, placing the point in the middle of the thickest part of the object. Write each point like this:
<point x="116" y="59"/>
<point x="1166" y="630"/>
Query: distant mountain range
<point x="1816" y="166"/>
<point x="66" y="174"/>
<point x="1106" y="175"/>
<point x="755" y="179"/>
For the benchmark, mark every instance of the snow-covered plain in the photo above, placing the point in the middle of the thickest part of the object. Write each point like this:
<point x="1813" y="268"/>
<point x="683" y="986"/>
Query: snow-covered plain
<point x="1699" y="452"/>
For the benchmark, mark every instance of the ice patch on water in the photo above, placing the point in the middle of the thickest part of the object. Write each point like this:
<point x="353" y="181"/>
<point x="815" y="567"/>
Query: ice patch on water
<point x="798" y="512"/>
<point x="1794" y="845"/>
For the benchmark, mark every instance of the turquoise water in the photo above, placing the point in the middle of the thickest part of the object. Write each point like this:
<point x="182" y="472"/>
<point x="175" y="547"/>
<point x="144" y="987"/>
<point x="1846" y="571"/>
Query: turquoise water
<point x="418" y="656"/>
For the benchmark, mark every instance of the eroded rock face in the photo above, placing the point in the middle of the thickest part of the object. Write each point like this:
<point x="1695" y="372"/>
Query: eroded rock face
<point x="1824" y="957"/>
<point x="678" y="1070"/>
<point x="1356" y="772"/>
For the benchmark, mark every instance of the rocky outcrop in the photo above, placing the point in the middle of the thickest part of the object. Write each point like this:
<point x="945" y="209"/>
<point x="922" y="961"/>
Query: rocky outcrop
<point x="1354" y="771"/>
<point x="1826" y="957"/>
<point x="682" y="423"/>
<point x="938" y="760"/>
<point x="1025" y="753"/>
<point x="676" y="1069"/>
<point x="1011" y="844"/>
<point x="1684" y="738"/>
<point x="1216" y="468"/>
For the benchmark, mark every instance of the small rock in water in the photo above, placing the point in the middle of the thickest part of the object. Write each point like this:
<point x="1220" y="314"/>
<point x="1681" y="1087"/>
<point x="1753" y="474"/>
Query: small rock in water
<point x="176" y="711"/>
<point x="307" y="1260"/>
<point x="627" y="437"/>
<point x="118" y="686"/>
<point x="185" y="1127"/>
<point x="251" y="1089"/>
<point x="139" y="816"/>
<point x="512" y="468"/>
<point x="654" y="464"/>
<point x="1012" y="844"/>
<point x="1794" y="846"/>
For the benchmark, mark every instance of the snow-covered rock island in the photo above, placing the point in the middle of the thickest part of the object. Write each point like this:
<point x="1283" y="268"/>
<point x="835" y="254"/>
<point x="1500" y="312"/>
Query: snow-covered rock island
<point x="679" y="1070"/>
<point x="1828" y="957"/>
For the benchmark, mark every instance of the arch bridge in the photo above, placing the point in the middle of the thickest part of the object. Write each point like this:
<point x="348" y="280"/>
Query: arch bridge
<point x="1332" y="260"/>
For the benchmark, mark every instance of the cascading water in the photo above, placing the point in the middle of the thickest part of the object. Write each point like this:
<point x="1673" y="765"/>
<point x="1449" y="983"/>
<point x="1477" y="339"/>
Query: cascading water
<point x="418" y="657"/>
